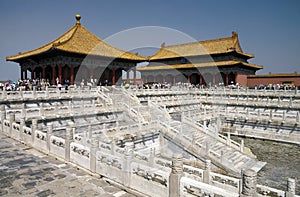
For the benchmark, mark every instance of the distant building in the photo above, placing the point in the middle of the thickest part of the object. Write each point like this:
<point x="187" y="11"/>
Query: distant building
<point x="76" y="55"/>
<point x="208" y="62"/>
<point x="288" y="79"/>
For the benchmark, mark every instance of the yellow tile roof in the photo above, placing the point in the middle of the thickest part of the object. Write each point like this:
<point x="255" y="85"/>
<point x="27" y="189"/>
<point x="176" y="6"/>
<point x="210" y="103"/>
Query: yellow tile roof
<point x="196" y="65"/>
<point x="216" y="46"/>
<point x="81" y="41"/>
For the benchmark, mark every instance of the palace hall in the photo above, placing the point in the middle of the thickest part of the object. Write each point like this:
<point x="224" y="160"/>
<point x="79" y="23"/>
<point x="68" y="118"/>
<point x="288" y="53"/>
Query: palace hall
<point x="207" y="62"/>
<point x="79" y="55"/>
<point x="75" y="56"/>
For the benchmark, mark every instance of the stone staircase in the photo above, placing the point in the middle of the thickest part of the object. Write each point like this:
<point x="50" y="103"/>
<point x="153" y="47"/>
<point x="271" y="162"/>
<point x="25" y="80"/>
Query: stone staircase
<point x="195" y="138"/>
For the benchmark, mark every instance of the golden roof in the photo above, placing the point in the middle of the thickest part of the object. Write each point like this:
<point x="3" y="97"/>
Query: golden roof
<point x="196" y="65"/>
<point x="208" y="47"/>
<point x="81" y="41"/>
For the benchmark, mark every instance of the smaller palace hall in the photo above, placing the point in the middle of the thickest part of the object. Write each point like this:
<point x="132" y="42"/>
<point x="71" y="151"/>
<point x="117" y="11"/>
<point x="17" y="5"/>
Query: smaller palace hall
<point x="80" y="55"/>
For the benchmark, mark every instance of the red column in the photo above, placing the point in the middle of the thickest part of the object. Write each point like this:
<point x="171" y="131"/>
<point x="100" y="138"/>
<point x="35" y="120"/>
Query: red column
<point x="60" y="73"/>
<point x="189" y="78"/>
<point x="113" y="80"/>
<point x="91" y="73"/>
<point x="22" y="73"/>
<point x="201" y="80"/>
<point x="72" y="75"/>
<point x="134" y="76"/>
<point x="227" y="79"/>
<point x="235" y="77"/>
<point x="25" y="73"/>
<point x="214" y="79"/>
<point x="44" y="72"/>
<point x="127" y="76"/>
<point x="174" y="79"/>
<point x="32" y="72"/>
<point x="53" y="75"/>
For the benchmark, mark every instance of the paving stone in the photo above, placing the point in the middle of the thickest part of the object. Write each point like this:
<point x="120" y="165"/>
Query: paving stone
<point x="99" y="182"/>
<point x="25" y="174"/>
<point x="3" y="192"/>
<point x="45" y="193"/>
<point x="106" y="195"/>
<point x="111" y="189"/>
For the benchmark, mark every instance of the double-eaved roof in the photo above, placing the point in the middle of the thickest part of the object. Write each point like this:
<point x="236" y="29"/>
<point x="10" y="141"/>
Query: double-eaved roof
<point x="207" y="47"/>
<point x="79" y="40"/>
<point x="215" y="47"/>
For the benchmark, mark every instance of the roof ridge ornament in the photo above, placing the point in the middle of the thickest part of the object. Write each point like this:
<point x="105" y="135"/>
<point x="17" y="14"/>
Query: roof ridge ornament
<point x="78" y="17"/>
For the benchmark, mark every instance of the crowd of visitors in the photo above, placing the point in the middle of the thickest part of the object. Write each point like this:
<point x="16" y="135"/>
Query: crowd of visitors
<point x="26" y="84"/>
<point x="41" y="84"/>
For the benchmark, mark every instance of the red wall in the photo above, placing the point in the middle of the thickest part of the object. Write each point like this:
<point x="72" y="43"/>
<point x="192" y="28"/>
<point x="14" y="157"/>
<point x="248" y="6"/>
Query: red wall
<point x="241" y="79"/>
<point x="252" y="81"/>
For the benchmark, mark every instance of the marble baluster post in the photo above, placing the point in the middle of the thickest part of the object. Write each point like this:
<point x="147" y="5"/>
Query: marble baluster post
<point x="3" y="116"/>
<point x="49" y="133"/>
<point x="34" y="125"/>
<point x="249" y="180"/>
<point x="206" y="172"/>
<point x="175" y="176"/>
<point x="291" y="185"/>
<point x="93" y="152"/>
<point x="68" y="140"/>
<point x="12" y="119"/>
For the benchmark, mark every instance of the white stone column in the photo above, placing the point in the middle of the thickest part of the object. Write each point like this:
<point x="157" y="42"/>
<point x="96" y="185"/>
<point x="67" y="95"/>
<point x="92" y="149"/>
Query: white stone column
<point x="291" y="185"/>
<point x="12" y="119"/>
<point x="127" y="166"/>
<point x="207" y="147"/>
<point x="90" y="132"/>
<point x="113" y="146"/>
<point x="34" y="123"/>
<point x="242" y="146"/>
<point x="49" y="133"/>
<point x="47" y="92"/>
<point x="283" y="115"/>
<point x="249" y="183"/>
<point x="175" y="176"/>
<point x="68" y="140"/>
<point x="34" y="92"/>
<point x="93" y="151"/>
<point x="22" y="124"/>
<point x="23" y="110"/>
<point x="228" y="142"/>
<point x="152" y="157"/>
<point x="21" y="93"/>
<point x="3" y="115"/>
<point x="206" y="172"/>
<point x="271" y="114"/>
<point x="42" y="109"/>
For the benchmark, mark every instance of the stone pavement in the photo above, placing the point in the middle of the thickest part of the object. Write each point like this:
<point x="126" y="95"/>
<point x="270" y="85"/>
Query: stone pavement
<point x="27" y="172"/>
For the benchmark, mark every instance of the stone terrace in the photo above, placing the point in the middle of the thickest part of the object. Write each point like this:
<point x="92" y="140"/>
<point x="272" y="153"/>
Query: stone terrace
<point x="128" y="135"/>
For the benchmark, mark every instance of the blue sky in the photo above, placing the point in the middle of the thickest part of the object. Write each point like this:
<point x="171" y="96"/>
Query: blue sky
<point x="268" y="29"/>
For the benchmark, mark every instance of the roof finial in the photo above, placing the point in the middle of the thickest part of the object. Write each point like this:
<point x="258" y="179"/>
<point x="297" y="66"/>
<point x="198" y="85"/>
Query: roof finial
<point x="78" y="17"/>
<point x="234" y="34"/>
